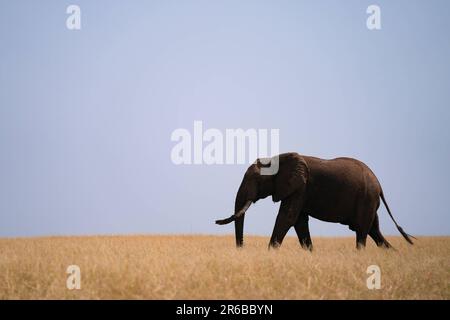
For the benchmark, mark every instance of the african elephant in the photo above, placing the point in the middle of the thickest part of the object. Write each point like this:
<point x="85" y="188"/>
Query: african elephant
<point x="342" y="190"/>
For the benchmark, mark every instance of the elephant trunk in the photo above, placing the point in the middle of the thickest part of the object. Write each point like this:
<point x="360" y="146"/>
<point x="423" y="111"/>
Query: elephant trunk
<point x="240" y="207"/>
<point x="239" y="230"/>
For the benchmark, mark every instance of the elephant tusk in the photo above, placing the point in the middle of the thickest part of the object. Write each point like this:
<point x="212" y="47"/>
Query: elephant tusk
<point x="243" y="210"/>
<point x="236" y="215"/>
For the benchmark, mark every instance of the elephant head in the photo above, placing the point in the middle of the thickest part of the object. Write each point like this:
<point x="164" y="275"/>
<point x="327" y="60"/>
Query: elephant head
<point x="292" y="176"/>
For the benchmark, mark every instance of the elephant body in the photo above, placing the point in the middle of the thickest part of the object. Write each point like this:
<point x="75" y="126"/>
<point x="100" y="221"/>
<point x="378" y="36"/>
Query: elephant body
<point x="338" y="189"/>
<point x="341" y="190"/>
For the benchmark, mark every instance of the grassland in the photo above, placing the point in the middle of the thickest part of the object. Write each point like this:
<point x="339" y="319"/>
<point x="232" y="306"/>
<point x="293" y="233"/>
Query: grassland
<point x="210" y="267"/>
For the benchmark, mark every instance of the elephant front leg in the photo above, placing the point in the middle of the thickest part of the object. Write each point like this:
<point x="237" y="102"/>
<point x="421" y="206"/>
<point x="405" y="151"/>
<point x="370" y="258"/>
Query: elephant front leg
<point x="302" y="230"/>
<point x="286" y="218"/>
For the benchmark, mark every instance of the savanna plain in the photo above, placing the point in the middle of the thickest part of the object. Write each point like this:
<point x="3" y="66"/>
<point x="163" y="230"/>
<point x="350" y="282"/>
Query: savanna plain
<point x="210" y="267"/>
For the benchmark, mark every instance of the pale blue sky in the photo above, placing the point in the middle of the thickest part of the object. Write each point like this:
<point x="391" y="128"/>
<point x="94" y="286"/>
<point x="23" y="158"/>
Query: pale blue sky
<point x="86" y="116"/>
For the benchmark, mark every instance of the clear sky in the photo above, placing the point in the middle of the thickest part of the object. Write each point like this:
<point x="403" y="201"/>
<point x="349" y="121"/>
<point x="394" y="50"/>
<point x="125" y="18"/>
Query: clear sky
<point x="86" y="116"/>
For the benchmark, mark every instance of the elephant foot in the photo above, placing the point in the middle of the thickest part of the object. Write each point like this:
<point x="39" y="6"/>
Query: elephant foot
<point x="307" y="246"/>
<point x="274" y="245"/>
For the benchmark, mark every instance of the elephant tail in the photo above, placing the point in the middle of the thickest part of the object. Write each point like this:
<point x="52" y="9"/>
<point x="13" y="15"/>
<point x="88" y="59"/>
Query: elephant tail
<point x="404" y="234"/>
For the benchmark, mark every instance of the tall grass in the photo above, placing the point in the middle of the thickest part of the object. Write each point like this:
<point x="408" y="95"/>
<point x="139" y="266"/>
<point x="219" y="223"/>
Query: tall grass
<point x="210" y="267"/>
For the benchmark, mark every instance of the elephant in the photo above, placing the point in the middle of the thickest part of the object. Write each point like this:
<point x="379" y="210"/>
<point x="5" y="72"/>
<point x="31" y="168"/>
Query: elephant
<point x="341" y="190"/>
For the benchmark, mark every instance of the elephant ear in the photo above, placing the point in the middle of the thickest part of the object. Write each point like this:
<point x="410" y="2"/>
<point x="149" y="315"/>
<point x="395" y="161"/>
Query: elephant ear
<point x="292" y="176"/>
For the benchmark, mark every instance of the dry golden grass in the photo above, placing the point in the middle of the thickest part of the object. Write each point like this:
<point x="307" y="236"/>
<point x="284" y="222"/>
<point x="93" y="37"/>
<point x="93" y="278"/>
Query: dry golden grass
<point x="210" y="267"/>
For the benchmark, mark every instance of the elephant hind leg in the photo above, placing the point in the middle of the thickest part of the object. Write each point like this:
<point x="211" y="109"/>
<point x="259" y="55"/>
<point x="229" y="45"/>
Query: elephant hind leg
<point x="364" y="219"/>
<point x="302" y="230"/>
<point x="376" y="235"/>
<point x="361" y="237"/>
<point x="362" y="229"/>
